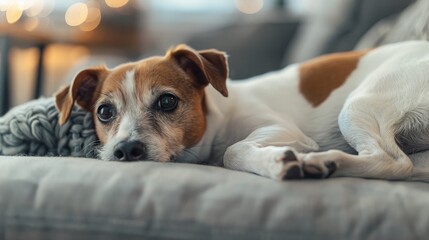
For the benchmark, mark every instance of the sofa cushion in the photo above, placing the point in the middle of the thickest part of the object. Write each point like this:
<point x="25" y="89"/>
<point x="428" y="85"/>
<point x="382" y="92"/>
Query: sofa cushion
<point x="337" y="25"/>
<point x="76" y="198"/>
<point x="253" y="47"/>
<point x="411" y="24"/>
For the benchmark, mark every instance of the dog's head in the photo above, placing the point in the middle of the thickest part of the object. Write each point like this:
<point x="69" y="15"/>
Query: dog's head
<point x="151" y="109"/>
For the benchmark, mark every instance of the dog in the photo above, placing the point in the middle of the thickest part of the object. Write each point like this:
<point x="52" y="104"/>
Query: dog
<point x="353" y="114"/>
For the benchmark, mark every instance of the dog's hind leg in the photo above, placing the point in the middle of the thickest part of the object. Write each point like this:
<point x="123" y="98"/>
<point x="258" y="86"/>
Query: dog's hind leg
<point x="372" y="134"/>
<point x="412" y="136"/>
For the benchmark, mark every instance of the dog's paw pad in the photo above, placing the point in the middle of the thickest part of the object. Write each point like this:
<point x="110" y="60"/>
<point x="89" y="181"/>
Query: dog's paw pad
<point x="289" y="156"/>
<point x="293" y="171"/>
<point x="331" y="166"/>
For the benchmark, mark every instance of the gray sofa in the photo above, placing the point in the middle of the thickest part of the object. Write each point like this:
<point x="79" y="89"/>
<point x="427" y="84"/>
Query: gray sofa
<point x="282" y="38"/>
<point x="75" y="198"/>
<point x="79" y="198"/>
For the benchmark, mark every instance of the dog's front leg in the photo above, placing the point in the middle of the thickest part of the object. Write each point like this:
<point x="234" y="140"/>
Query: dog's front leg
<point x="270" y="151"/>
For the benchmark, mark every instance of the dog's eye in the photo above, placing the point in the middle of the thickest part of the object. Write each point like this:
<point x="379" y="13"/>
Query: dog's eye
<point x="105" y="113"/>
<point x="167" y="102"/>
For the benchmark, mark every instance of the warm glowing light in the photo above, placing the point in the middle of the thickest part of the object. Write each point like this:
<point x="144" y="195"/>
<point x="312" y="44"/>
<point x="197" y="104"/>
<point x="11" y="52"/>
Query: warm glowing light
<point x="76" y="14"/>
<point x="116" y="3"/>
<point x="31" y="24"/>
<point x="4" y="5"/>
<point x="35" y="9"/>
<point x="249" y="6"/>
<point x="13" y="14"/>
<point x="93" y="14"/>
<point x="47" y="7"/>
<point x="24" y="4"/>
<point x="92" y="21"/>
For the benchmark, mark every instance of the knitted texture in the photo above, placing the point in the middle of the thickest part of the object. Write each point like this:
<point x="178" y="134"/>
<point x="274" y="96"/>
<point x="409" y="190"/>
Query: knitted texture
<point x="32" y="129"/>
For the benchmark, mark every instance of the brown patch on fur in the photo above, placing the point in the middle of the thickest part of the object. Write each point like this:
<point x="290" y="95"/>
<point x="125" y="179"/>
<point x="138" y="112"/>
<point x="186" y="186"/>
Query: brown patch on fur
<point x="207" y="66"/>
<point x="157" y="71"/>
<point x="322" y="75"/>
<point x="84" y="91"/>
<point x="196" y="123"/>
<point x="63" y="104"/>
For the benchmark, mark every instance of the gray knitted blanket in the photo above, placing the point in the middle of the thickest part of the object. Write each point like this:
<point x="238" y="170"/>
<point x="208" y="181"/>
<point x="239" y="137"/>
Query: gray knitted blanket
<point x="32" y="129"/>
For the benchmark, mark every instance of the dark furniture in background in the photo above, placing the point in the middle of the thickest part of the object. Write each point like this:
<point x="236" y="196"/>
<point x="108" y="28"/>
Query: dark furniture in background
<point x="4" y="75"/>
<point x="7" y="43"/>
<point x="110" y="37"/>
<point x="279" y="39"/>
<point x="253" y="47"/>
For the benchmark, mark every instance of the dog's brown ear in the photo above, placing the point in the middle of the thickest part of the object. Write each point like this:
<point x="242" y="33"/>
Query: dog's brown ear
<point x="207" y="66"/>
<point x="82" y="91"/>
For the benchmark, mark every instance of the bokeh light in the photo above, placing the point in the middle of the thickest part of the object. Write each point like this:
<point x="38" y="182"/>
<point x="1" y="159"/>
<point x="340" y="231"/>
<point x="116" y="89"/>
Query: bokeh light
<point x="24" y="4"/>
<point x="31" y="23"/>
<point x="116" y="3"/>
<point x="4" y="5"/>
<point x="92" y="21"/>
<point x="76" y="14"/>
<point x="35" y="9"/>
<point x="249" y="6"/>
<point x="13" y="14"/>
<point x="47" y="7"/>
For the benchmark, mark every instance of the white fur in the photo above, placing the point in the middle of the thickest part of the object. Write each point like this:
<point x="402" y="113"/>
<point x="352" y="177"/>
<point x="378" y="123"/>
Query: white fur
<point x="125" y="128"/>
<point x="266" y="117"/>
<point x="127" y="125"/>
<point x="129" y="87"/>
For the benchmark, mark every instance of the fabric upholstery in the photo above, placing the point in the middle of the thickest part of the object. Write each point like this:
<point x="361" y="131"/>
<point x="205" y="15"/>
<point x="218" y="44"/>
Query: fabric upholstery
<point x="411" y="24"/>
<point x="72" y="198"/>
<point x="337" y="25"/>
<point x="253" y="48"/>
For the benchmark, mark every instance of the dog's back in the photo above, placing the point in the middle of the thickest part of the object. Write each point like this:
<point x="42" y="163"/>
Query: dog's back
<point x="313" y="101"/>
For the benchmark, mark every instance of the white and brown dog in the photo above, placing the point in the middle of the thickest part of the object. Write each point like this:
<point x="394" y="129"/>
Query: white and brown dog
<point x="356" y="114"/>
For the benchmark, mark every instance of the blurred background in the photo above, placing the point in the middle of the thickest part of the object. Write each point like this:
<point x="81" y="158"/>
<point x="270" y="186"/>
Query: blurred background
<point x="44" y="43"/>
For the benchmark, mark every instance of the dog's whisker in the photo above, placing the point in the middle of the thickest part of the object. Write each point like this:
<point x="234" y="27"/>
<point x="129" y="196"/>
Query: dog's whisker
<point x="92" y="147"/>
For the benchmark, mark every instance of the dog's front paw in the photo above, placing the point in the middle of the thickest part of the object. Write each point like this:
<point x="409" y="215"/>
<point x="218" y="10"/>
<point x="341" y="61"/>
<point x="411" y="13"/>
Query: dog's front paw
<point x="292" y="168"/>
<point x="318" y="165"/>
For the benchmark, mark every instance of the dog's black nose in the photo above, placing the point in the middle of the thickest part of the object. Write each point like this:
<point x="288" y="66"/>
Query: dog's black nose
<point x="130" y="151"/>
